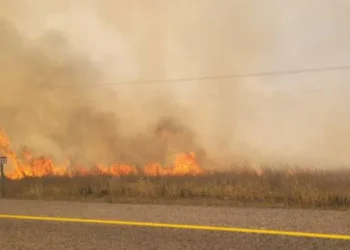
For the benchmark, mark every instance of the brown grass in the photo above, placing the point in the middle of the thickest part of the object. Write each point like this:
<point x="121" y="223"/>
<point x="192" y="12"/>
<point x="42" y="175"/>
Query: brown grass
<point x="322" y="189"/>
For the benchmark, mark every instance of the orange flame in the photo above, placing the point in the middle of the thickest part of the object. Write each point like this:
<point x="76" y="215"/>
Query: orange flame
<point x="183" y="164"/>
<point x="29" y="166"/>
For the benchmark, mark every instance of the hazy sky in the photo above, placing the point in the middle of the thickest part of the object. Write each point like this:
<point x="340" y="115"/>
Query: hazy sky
<point x="179" y="39"/>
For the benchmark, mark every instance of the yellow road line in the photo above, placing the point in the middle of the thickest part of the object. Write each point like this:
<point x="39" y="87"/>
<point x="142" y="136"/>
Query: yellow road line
<point x="178" y="226"/>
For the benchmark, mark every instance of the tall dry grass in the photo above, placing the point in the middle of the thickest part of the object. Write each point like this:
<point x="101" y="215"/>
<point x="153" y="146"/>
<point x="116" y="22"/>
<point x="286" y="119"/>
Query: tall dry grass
<point x="273" y="188"/>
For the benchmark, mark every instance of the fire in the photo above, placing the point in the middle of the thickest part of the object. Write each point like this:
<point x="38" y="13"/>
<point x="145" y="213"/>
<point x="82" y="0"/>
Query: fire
<point x="183" y="164"/>
<point x="29" y="166"/>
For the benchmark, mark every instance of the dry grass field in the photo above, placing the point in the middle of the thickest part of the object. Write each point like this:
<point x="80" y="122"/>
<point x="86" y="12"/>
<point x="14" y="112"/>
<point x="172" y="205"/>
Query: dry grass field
<point x="273" y="188"/>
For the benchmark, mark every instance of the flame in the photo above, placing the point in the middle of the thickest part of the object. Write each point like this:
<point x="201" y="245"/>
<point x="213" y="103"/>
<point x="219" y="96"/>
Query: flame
<point x="30" y="166"/>
<point x="183" y="164"/>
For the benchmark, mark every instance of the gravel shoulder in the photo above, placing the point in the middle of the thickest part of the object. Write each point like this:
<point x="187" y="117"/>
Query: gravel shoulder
<point x="34" y="235"/>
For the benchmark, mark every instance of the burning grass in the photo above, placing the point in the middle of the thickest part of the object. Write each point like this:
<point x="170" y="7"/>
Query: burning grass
<point x="27" y="165"/>
<point x="182" y="180"/>
<point x="273" y="188"/>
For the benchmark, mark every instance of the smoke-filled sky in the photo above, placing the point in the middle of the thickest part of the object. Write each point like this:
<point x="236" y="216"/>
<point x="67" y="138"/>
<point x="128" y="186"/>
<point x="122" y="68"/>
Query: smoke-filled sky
<point x="288" y="118"/>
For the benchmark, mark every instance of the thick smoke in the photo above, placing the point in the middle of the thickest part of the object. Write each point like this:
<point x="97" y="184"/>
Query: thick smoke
<point x="47" y="45"/>
<point x="53" y="105"/>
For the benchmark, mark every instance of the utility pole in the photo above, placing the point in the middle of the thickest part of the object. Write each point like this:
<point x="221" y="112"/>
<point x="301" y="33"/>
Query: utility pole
<point x="3" y="161"/>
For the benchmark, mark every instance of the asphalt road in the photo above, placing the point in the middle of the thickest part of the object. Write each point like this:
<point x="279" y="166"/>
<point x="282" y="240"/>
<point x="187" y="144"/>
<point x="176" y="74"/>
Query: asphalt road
<point x="25" y="234"/>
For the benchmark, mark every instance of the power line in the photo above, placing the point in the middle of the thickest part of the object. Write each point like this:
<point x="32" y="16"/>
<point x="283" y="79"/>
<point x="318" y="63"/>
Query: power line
<point x="219" y="77"/>
<point x="171" y="99"/>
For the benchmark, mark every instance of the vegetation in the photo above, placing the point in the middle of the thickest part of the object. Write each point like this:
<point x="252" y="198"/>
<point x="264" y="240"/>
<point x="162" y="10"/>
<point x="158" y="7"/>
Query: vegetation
<point x="273" y="188"/>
